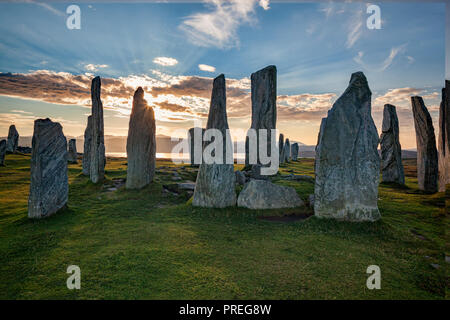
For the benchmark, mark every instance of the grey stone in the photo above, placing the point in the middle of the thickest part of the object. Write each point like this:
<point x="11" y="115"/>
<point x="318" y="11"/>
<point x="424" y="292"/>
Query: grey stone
<point x="444" y="138"/>
<point x="255" y="173"/>
<point x="188" y="185"/>
<point x="240" y="177"/>
<point x="281" y="148"/>
<point x="264" y="106"/>
<point x="72" y="155"/>
<point x="287" y="151"/>
<point x="141" y="143"/>
<point x="87" y="148"/>
<point x="347" y="165"/>
<point x="391" y="150"/>
<point x="49" y="187"/>
<point x="263" y="194"/>
<point x="196" y="133"/>
<point x="13" y="139"/>
<point x="311" y="200"/>
<point x="294" y="151"/>
<point x="2" y="152"/>
<point x="427" y="158"/>
<point x="215" y="185"/>
<point x="98" y="159"/>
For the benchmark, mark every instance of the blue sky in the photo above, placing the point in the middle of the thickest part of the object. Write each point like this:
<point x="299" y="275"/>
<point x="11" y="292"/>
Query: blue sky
<point x="315" y="46"/>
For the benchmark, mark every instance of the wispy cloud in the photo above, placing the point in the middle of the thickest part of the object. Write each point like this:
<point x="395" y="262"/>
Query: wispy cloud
<point x="95" y="67"/>
<point x="205" y="67"/>
<point x="165" y="61"/>
<point x="48" y="7"/>
<point x="386" y="62"/>
<point x="355" y="30"/>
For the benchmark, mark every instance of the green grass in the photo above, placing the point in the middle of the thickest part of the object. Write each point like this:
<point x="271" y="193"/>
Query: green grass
<point x="150" y="244"/>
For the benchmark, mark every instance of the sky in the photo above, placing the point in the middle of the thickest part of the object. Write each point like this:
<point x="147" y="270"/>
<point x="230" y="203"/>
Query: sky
<point x="174" y="50"/>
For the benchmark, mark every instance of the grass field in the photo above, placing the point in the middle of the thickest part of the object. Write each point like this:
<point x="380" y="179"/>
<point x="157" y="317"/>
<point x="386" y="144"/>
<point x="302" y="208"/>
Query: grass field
<point x="152" y="244"/>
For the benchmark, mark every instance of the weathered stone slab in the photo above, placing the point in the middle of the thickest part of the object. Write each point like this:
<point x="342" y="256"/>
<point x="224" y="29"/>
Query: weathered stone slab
<point x="391" y="150"/>
<point x="49" y="187"/>
<point x="294" y="151"/>
<point x="196" y="135"/>
<point x="347" y="165"/>
<point x="215" y="185"/>
<point x="13" y="139"/>
<point x="287" y="151"/>
<point x="2" y="152"/>
<point x="141" y="143"/>
<point x="72" y="155"/>
<point x="427" y="158"/>
<point x="444" y="138"/>
<point x="263" y="194"/>
<point x="98" y="159"/>
<point x="281" y="148"/>
<point x="87" y="148"/>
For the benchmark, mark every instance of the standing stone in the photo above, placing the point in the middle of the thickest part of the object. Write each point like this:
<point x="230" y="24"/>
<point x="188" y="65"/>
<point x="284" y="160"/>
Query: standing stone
<point x="49" y="187"/>
<point x="347" y="165"/>
<point x="72" y="155"/>
<point x="98" y="160"/>
<point x="195" y="133"/>
<point x="2" y="152"/>
<point x="215" y="186"/>
<point x="294" y="151"/>
<point x="444" y="138"/>
<point x="281" y="148"/>
<point x="13" y="139"/>
<point x="287" y="151"/>
<point x="141" y="143"/>
<point x="391" y="150"/>
<point x="264" y="105"/>
<point x="87" y="148"/>
<point x="427" y="158"/>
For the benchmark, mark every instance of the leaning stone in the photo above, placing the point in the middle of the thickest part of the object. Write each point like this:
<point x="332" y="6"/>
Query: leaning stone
<point x="215" y="185"/>
<point x="2" y="152"/>
<point x="263" y="194"/>
<point x="87" y="147"/>
<point x="294" y="151"/>
<point x="49" y="187"/>
<point x="347" y="165"/>
<point x="72" y="154"/>
<point x="13" y="139"/>
<point x="427" y="158"/>
<point x="98" y="159"/>
<point x="391" y="150"/>
<point x="444" y="138"/>
<point x="141" y="143"/>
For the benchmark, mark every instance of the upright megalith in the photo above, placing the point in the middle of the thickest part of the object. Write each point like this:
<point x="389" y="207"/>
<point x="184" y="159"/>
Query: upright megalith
<point x="98" y="159"/>
<point x="264" y="107"/>
<point x="444" y="138"/>
<point x="2" y="152"/>
<point x="347" y="165"/>
<point x="294" y="151"/>
<point x="391" y="150"/>
<point x="49" y="187"/>
<point x="13" y="139"/>
<point x="195" y="141"/>
<point x="281" y="148"/>
<point x="72" y="155"/>
<point x="141" y="143"/>
<point x="215" y="186"/>
<point x="427" y="158"/>
<point x="287" y="151"/>
<point x="87" y="147"/>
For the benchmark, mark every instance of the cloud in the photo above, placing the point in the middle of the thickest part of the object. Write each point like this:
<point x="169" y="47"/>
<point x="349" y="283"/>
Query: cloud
<point x="48" y="7"/>
<point x="218" y="27"/>
<point x="355" y="31"/>
<point x="386" y="62"/>
<point x="95" y="67"/>
<point x="165" y="61"/>
<point x="394" y="52"/>
<point x="205" y="67"/>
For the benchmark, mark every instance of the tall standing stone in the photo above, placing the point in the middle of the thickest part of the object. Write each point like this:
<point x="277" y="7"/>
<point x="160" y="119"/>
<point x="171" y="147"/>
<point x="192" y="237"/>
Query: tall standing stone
<point x="2" y="152"/>
<point x="391" y="150"/>
<point x="287" y="151"/>
<point x="444" y="138"/>
<point x="49" y="187"/>
<point x="281" y="148"/>
<point x="98" y="159"/>
<point x="87" y="148"/>
<point x="195" y="135"/>
<point x="13" y="139"/>
<point x="215" y="186"/>
<point x="141" y="143"/>
<point x="347" y="165"/>
<point x="427" y="158"/>
<point x="264" y="105"/>
<point x="294" y="151"/>
<point x="72" y="155"/>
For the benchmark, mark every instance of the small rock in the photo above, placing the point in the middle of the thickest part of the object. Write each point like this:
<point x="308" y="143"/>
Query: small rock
<point x="435" y="265"/>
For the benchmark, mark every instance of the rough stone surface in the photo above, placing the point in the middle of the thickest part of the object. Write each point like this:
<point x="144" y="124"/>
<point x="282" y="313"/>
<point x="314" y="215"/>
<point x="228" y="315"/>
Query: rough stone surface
<point x="427" y="158"/>
<point x="87" y="148"/>
<point x="444" y="138"/>
<point x="13" y="139"/>
<point x="311" y="200"/>
<point x="347" y="163"/>
<point x="263" y="194"/>
<point x="72" y="155"/>
<point x="240" y="177"/>
<point x="287" y="151"/>
<point x="98" y="159"/>
<point x="391" y="150"/>
<point x="294" y="151"/>
<point x="2" y="152"/>
<point x="255" y="172"/>
<point x="195" y="133"/>
<point x="264" y="105"/>
<point x="49" y="187"/>
<point x="141" y="143"/>
<point x="215" y="185"/>
<point x="281" y="148"/>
